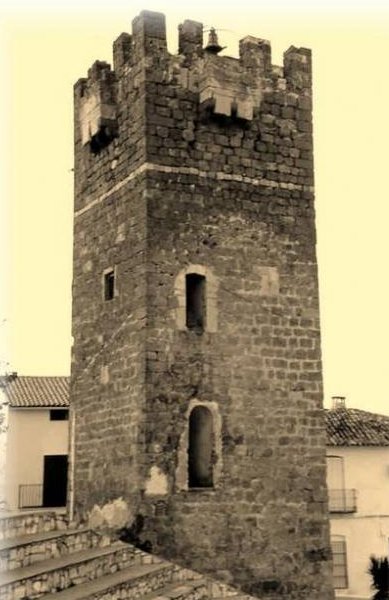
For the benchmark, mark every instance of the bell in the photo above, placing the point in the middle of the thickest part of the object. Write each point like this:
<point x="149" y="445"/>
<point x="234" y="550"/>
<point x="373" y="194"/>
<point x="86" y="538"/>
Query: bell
<point x="213" y="46"/>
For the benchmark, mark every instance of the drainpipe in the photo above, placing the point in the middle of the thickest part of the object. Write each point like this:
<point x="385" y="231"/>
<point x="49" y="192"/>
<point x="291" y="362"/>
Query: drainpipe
<point x="71" y="465"/>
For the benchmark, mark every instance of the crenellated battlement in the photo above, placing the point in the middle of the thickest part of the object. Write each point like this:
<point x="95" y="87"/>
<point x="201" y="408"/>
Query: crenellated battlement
<point x="227" y="88"/>
<point x="97" y="106"/>
<point x="190" y="38"/>
<point x="298" y="69"/>
<point x="224" y="86"/>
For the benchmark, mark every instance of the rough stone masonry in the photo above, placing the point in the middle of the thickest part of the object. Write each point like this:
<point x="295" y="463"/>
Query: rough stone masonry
<point x="196" y="372"/>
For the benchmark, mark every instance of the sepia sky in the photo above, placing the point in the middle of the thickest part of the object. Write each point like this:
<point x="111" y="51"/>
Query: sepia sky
<point x="45" y="48"/>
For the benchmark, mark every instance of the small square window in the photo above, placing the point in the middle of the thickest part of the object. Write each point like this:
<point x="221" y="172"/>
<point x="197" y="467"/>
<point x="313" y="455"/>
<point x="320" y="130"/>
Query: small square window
<point x="109" y="285"/>
<point x="60" y="414"/>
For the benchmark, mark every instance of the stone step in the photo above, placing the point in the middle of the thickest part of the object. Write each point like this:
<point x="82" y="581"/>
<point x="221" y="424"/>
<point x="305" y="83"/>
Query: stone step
<point x="234" y="596"/>
<point x="26" y="550"/>
<point x="222" y="591"/>
<point x="13" y="525"/>
<point x="148" y="582"/>
<point x="69" y="570"/>
<point x="190" y="590"/>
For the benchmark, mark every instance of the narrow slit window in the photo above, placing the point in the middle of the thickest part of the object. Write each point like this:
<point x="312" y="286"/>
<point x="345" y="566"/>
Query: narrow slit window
<point x="109" y="285"/>
<point x="195" y="302"/>
<point x="200" y="451"/>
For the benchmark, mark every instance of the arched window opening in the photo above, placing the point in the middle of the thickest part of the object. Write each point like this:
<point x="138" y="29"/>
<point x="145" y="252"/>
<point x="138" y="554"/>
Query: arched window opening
<point x="195" y="302"/>
<point x="200" y="451"/>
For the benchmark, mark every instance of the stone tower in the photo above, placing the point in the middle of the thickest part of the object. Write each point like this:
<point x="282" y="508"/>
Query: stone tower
<point x="196" y="374"/>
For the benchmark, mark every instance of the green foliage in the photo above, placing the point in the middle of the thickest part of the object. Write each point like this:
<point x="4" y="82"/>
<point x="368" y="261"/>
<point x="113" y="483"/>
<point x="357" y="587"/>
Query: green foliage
<point x="379" y="572"/>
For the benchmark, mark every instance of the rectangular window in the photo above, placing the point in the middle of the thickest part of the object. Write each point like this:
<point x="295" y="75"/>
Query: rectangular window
<point x="339" y="558"/>
<point x="109" y="284"/>
<point x="59" y="414"/>
<point x="335" y="472"/>
<point x="341" y="500"/>
<point x="195" y="301"/>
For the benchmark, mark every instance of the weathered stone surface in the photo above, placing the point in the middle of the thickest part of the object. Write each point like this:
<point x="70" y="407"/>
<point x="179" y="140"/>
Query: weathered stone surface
<point x="30" y="523"/>
<point x="69" y="571"/>
<point x="185" y="185"/>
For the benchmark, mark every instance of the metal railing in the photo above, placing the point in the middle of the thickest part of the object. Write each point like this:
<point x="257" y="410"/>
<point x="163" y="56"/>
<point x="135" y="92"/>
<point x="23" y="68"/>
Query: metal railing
<point x="30" y="495"/>
<point x="342" y="501"/>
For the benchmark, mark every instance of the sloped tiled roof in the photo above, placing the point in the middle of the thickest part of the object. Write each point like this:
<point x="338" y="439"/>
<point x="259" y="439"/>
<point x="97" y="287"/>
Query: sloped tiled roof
<point x="354" y="427"/>
<point x="22" y="391"/>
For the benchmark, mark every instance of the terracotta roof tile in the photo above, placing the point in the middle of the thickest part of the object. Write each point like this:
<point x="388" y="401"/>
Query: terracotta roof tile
<point x="22" y="391"/>
<point x="354" y="427"/>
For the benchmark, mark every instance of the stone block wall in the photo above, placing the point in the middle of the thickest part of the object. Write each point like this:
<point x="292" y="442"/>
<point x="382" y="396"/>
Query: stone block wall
<point x="65" y="542"/>
<point x="261" y="368"/>
<point x="199" y="163"/>
<point x="29" y="522"/>
<point x="107" y="365"/>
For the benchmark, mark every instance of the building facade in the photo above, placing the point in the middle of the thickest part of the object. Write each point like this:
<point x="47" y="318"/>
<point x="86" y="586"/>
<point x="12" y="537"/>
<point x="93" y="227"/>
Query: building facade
<point x="196" y="387"/>
<point x="358" y="486"/>
<point x="36" y="442"/>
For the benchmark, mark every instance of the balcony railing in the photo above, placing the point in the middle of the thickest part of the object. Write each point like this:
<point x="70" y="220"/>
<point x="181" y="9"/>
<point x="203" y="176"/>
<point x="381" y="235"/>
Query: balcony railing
<point x="342" y="501"/>
<point x="31" y="495"/>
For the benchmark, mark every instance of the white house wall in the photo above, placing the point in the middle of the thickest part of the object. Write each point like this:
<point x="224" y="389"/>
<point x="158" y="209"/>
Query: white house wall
<point x="3" y="442"/>
<point x="31" y="435"/>
<point x="366" y="531"/>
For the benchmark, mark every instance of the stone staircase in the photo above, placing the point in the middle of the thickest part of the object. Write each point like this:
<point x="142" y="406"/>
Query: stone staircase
<point x="42" y="557"/>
